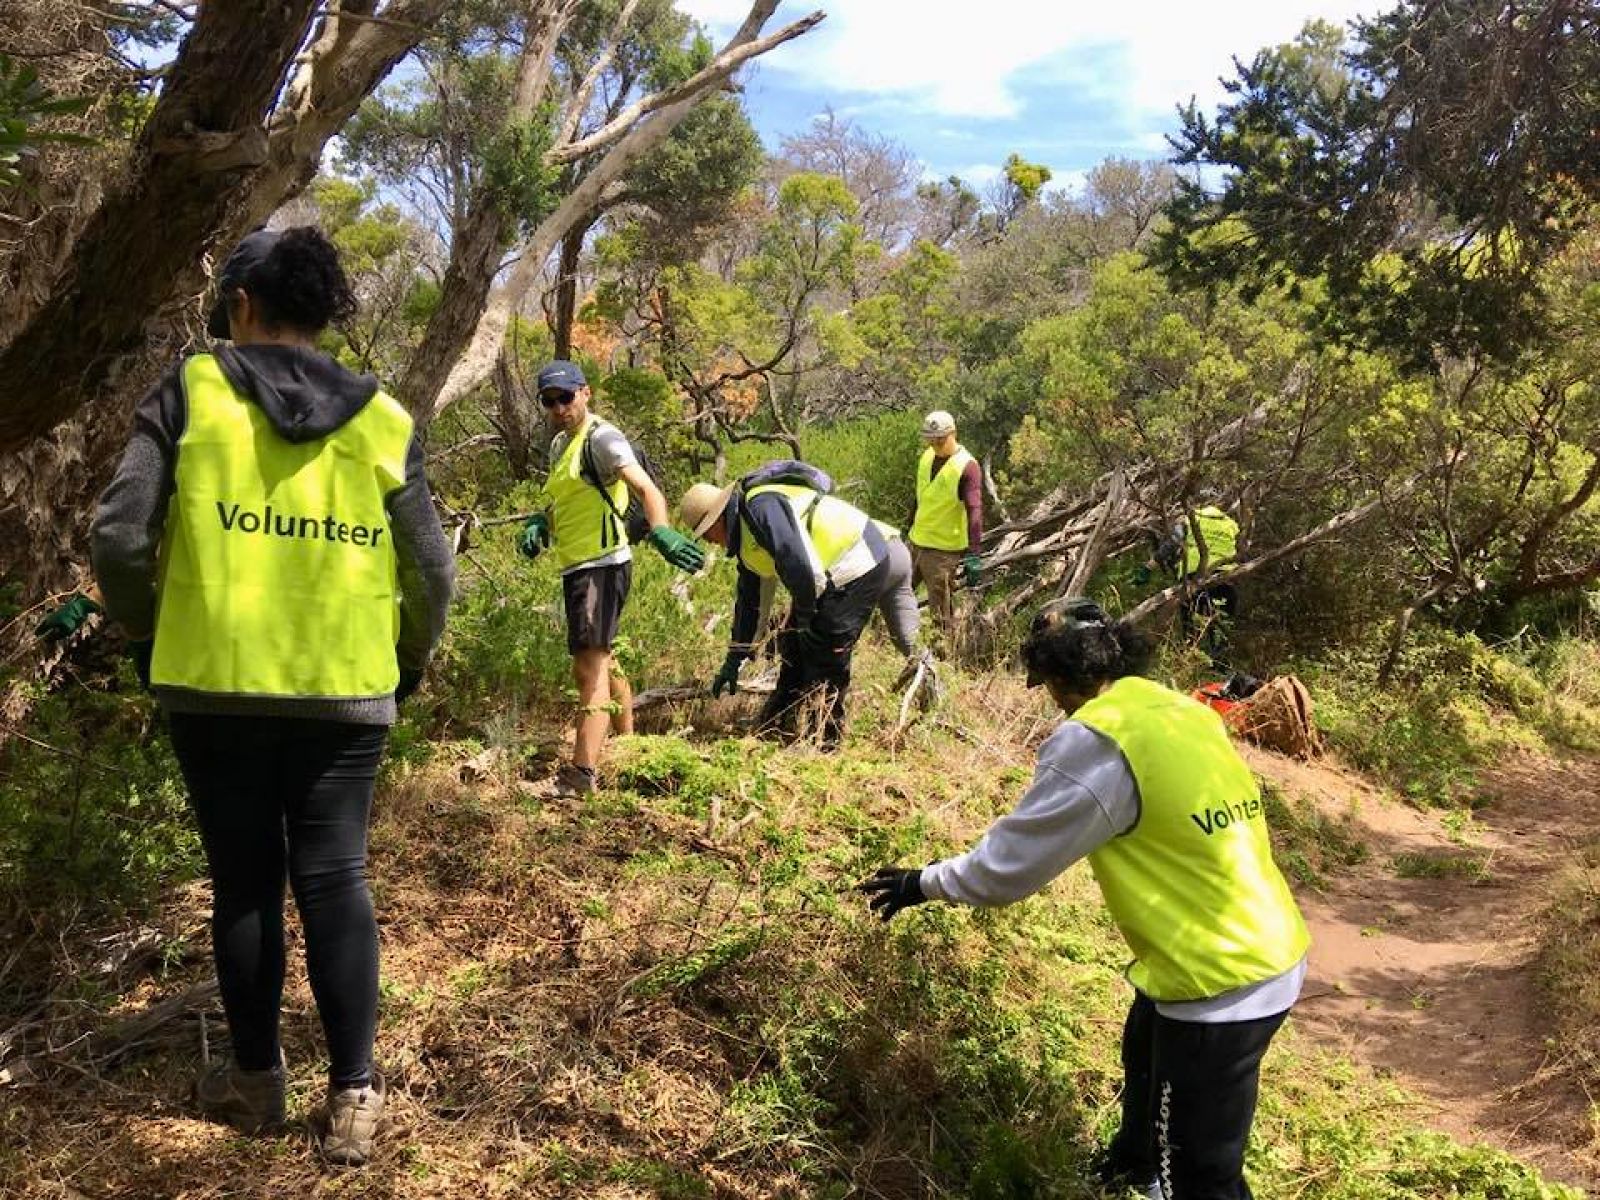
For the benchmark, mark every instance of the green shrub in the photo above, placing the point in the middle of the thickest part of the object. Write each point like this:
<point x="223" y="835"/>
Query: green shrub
<point x="93" y="812"/>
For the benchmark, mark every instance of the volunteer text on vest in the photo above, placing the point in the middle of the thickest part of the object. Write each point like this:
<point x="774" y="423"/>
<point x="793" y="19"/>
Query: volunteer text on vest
<point x="327" y="529"/>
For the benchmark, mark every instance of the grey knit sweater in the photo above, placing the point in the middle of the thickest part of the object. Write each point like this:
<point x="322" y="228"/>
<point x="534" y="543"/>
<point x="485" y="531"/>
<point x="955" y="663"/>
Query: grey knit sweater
<point x="306" y="395"/>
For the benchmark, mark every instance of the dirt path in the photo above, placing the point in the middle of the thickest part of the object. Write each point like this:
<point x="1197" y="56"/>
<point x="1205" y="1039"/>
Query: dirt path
<point x="1422" y="962"/>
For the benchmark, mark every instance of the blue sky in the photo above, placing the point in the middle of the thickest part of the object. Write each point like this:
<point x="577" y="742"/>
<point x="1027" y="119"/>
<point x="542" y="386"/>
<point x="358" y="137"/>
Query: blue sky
<point x="966" y="83"/>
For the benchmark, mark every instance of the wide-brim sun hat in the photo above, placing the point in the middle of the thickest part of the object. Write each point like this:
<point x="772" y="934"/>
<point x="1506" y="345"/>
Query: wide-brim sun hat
<point x="938" y="425"/>
<point x="701" y="505"/>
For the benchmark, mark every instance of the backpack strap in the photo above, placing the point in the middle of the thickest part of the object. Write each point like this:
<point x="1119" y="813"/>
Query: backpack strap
<point x="589" y="468"/>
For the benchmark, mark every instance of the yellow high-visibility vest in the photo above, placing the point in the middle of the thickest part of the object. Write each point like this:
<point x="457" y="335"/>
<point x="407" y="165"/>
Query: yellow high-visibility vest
<point x="584" y="526"/>
<point x="941" y="522"/>
<point x="1192" y="886"/>
<point x="277" y="574"/>
<point x="830" y="528"/>
<point x="1221" y="534"/>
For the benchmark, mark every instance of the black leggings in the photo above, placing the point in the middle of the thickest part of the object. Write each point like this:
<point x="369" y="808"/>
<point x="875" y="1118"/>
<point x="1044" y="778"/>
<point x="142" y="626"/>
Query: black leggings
<point x="1188" y="1100"/>
<point x="278" y="797"/>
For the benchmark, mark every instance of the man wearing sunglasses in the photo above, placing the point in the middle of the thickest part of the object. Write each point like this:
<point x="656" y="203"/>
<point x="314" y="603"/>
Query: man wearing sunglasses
<point x="593" y="471"/>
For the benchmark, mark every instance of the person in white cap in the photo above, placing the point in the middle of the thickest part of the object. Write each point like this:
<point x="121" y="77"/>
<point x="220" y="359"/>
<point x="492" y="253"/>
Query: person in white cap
<point x="947" y="520"/>
<point x="831" y="557"/>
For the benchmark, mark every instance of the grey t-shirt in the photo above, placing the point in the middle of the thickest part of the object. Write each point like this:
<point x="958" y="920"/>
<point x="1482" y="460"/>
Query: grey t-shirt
<point x="612" y="454"/>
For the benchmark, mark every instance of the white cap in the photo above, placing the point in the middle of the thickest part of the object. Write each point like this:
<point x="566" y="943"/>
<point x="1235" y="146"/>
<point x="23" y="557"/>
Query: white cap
<point x="701" y="505"/>
<point x="938" y="425"/>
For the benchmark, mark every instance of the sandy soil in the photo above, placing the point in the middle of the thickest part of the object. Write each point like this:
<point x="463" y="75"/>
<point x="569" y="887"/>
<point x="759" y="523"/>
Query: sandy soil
<point x="1425" y="970"/>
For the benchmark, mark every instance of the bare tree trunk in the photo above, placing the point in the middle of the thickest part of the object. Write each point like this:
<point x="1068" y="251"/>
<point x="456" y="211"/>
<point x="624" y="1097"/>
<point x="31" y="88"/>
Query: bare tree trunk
<point x="1093" y="551"/>
<point x="1402" y="626"/>
<point x="515" y="420"/>
<point x="567" y="286"/>
<point x="135" y="268"/>
<point x="987" y="466"/>
<point x="475" y="254"/>
<point x="639" y="128"/>
<point x="351" y="53"/>
<point x="478" y="244"/>
<point x="204" y="135"/>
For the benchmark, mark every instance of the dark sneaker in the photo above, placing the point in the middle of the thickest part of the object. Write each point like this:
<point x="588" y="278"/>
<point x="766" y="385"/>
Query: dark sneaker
<point x="351" y="1122"/>
<point x="250" y="1101"/>
<point x="573" y="781"/>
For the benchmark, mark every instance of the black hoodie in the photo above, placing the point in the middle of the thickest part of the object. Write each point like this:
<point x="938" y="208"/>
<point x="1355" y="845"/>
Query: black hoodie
<point x="305" y="395"/>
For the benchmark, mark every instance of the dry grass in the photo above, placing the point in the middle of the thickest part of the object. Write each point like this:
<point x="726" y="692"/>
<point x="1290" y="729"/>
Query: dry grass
<point x="574" y="994"/>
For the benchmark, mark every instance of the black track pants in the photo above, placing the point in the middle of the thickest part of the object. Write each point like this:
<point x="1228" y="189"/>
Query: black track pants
<point x="280" y="798"/>
<point x="822" y="659"/>
<point x="1189" y="1096"/>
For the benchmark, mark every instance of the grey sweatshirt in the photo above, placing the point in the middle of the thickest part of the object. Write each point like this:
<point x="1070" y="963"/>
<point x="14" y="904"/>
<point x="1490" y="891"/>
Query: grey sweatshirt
<point x="1083" y="794"/>
<point x="306" y="396"/>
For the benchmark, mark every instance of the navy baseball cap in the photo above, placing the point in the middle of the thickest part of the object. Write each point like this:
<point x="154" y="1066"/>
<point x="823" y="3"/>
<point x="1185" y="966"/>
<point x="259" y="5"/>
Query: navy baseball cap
<point x="246" y="257"/>
<point x="561" y="374"/>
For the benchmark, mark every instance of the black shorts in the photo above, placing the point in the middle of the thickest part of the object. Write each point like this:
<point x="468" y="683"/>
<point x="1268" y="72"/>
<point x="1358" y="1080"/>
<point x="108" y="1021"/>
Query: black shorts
<point x="595" y="597"/>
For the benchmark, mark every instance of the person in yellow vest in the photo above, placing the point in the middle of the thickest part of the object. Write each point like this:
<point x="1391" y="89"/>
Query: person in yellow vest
<point x="834" y="561"/>
<point x="270" y="547"/>
<point x="593" y="471"/>
<point x="947" y="520"/>
<point x="1211" y="602"/>
<point x="1144" y="783"/>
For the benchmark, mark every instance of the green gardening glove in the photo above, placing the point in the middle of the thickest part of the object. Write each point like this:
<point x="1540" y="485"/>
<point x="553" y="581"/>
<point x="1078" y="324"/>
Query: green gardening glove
<point x="972" y="567"/>
<point x="66" y="620"/>
<point x="1141" y="575"/>
<point x="677" y="548"/>
<point x="535" y="536"/>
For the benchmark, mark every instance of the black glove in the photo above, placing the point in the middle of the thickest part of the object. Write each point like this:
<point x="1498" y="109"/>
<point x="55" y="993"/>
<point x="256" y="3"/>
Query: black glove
<point x="892" y="889"/>
<point x="727" y="678"/>
<point x="410" y="681"/>
<point x="140" y="652"/>
<point x="803" y="644"/>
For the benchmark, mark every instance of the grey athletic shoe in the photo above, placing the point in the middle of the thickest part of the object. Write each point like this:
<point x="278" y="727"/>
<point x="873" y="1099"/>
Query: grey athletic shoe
<point x="352" y="1120"/>
<point x="572" y="781"/>
<point x="250" y="1101"/>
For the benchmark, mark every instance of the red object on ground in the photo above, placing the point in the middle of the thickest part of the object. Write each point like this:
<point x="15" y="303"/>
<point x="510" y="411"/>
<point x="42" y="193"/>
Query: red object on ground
<point x="1210" y="694"/>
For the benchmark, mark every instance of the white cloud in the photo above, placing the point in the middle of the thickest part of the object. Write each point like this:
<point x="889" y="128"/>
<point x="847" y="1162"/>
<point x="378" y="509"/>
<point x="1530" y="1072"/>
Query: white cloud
<point x="979" y="175"/>
<point x="961" y="59"/>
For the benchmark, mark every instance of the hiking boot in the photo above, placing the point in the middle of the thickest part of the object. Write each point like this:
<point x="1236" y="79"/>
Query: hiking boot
<point x="573" y="781"/>
<point x="351" y="1122"/>
<point x="250" y="1101"/>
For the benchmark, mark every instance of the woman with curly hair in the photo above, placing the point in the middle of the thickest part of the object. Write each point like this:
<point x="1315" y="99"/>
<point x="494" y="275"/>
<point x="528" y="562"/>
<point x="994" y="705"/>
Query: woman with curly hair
<point x="270" y="547"/>
<point x="1144" y="783"/>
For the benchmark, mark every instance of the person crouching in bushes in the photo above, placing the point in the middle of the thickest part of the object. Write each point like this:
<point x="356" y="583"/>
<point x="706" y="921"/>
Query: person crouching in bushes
<point x="270" y="546"/>
<point x="1144" y="783"/>
<point x="832" y="559"/>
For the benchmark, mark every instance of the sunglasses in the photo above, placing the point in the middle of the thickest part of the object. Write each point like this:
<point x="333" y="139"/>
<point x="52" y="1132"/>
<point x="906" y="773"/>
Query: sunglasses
<point x="555" y="399"/>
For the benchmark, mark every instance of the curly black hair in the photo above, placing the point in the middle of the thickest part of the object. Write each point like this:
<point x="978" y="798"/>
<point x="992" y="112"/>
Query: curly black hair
<point x="301" y="283"/>
<point x="1074" y="643"/>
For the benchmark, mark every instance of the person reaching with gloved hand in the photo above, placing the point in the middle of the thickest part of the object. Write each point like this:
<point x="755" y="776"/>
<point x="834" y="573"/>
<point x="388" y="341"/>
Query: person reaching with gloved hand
<point x="833" y="560"/>
<point x="594" y="470"/>
<point x="270" y="546"/>
<point x="1144" y="783"/>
